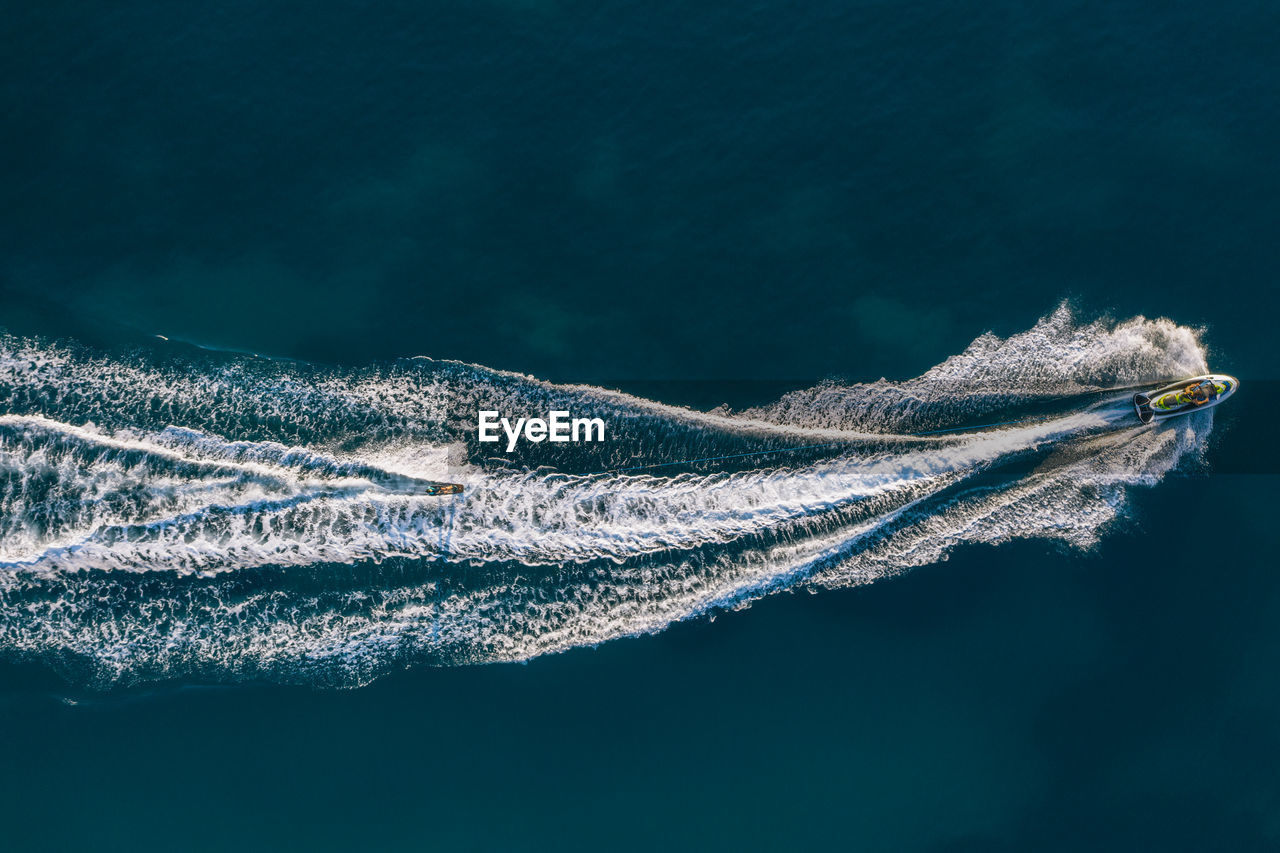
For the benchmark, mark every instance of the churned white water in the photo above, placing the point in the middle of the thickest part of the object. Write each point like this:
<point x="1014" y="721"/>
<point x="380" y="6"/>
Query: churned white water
<point x="237" y="518"/>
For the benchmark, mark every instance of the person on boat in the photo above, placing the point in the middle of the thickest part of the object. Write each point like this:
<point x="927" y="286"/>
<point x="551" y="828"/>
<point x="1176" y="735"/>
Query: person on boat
<point x="1199" y="393"/>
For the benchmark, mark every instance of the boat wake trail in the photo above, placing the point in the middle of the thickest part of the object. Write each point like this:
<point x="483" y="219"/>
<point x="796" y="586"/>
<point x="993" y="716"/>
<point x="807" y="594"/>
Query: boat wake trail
<point x="216" y="518"/>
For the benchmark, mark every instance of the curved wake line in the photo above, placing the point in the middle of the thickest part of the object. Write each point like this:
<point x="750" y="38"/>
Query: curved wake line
<point x="298" y="509"/>
<point x="278" y="523"/>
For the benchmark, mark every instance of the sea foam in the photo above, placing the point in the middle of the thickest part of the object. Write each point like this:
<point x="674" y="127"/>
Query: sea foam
<point x="167" y="517"/>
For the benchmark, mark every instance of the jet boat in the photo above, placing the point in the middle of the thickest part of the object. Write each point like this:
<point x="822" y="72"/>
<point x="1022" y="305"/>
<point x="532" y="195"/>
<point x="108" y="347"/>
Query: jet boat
<point x="1188" y="395"/>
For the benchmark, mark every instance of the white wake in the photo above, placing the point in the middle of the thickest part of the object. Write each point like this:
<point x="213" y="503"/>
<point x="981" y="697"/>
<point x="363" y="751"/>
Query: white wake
<point x="242" y="519"/>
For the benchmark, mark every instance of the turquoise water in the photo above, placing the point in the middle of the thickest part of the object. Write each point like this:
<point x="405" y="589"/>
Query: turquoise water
<point x="232" y="615"/>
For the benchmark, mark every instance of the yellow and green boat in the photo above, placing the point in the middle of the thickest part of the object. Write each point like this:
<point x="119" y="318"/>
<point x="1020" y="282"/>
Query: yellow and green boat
<point x="1188" y="395"/>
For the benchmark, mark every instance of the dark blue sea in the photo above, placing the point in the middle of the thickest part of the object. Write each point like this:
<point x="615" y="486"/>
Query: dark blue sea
<point x="875" y="556"/>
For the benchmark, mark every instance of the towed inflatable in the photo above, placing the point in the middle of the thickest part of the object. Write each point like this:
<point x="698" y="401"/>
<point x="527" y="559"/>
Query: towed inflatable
<point x="1188" y="395"/>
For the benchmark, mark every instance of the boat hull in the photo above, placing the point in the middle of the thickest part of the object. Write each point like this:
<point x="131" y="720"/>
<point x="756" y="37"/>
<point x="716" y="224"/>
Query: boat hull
<point x="1176" y="399"/>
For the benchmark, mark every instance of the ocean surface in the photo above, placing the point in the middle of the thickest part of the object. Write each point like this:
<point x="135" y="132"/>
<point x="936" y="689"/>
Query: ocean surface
<point x="875" y="556"/>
